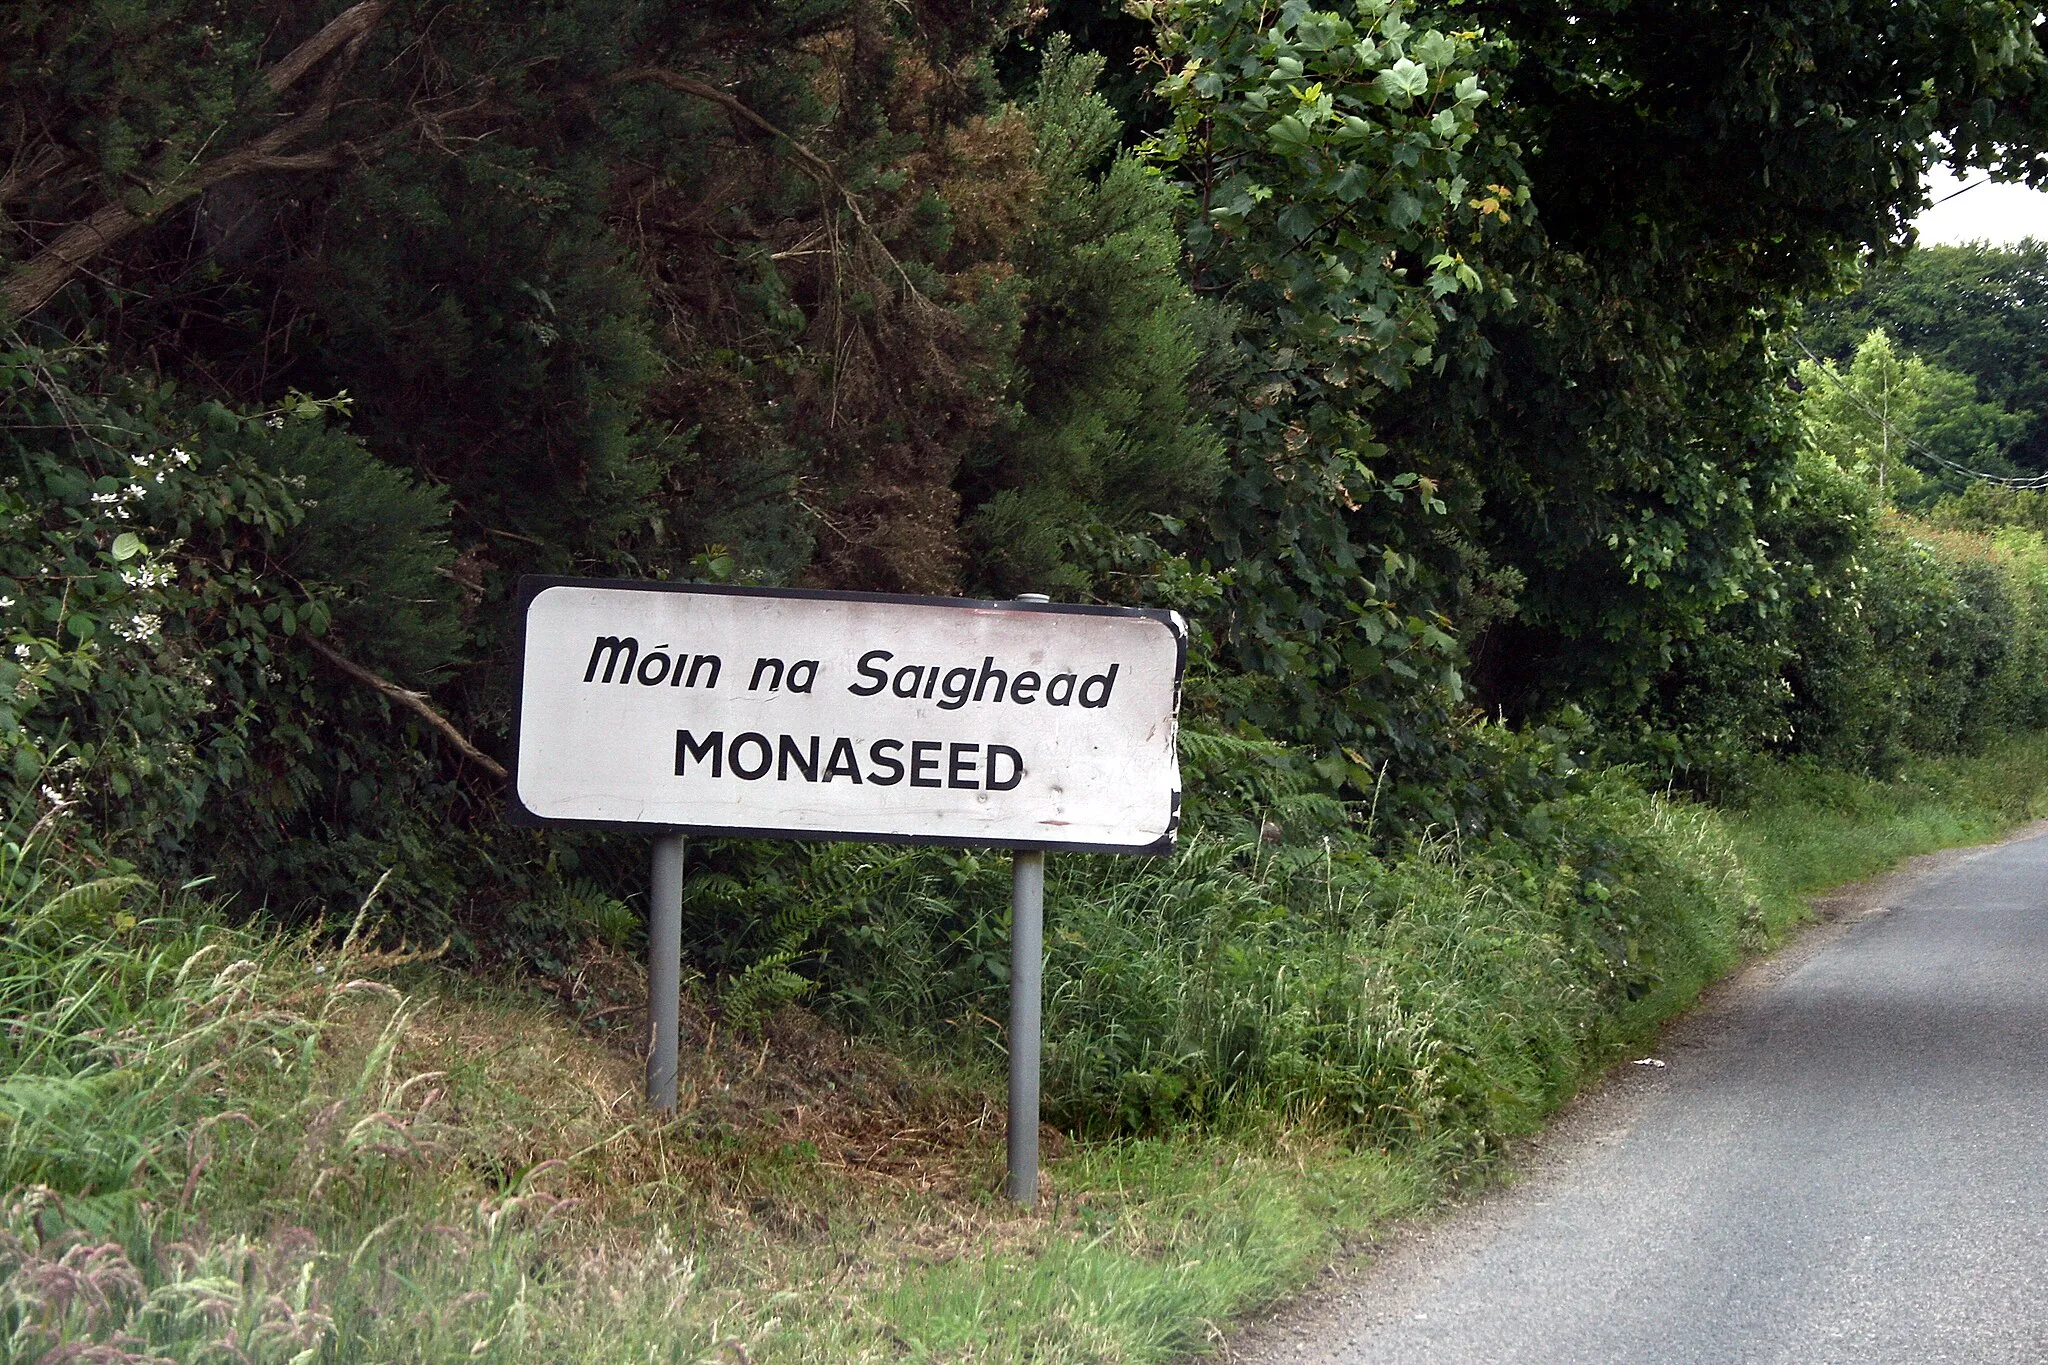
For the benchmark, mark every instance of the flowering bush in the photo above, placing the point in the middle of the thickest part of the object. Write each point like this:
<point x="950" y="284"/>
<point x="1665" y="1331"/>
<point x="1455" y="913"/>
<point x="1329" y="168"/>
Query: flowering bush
<point x="139" y="612"/>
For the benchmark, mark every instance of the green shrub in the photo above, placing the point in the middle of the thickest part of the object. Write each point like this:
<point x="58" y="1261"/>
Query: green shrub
<point x="145" y="645"/>
<point x="1930" y="643"/>
<point x="1878" y="635"/>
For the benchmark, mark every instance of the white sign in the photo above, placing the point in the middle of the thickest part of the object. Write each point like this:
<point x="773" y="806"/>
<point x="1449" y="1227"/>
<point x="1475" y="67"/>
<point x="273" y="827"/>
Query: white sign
<point x="845" y="715"/>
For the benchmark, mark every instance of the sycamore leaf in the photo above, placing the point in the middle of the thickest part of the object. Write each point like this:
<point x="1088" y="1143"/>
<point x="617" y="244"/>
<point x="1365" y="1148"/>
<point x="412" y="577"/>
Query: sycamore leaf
<point x="1288" y="132"/>
<point x="1403" y="78"/>
<point x="1432" y="49"/>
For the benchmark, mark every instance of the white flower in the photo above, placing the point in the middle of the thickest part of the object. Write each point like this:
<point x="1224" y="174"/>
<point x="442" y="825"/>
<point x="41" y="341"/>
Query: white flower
<point x="275" y="422"/>
<point x="105" y="499"/>
<point x="136" y="490"/>
<point x="5" y="603"/>
<point x="21" y="651"/>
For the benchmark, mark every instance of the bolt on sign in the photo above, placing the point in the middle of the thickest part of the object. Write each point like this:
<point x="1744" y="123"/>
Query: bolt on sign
<point x="849" y="715"/>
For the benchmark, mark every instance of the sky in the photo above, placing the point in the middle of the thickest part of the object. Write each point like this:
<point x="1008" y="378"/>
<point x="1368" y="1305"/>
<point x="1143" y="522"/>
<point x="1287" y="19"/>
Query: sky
<point x="1981" y="211"/>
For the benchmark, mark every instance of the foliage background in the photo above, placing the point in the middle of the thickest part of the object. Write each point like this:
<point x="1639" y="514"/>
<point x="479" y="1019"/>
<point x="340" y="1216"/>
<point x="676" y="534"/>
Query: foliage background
<point x="1435" y="363"/>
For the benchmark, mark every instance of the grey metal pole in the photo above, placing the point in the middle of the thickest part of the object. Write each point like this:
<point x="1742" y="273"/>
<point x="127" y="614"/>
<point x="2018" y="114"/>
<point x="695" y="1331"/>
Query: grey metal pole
<point x="1027" y="964"/>
<point x="664" y="970"/>
<point x="1027" y="960"/>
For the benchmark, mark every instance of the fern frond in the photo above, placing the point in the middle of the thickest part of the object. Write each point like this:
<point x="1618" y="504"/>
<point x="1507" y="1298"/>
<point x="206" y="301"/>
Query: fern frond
<point x="86" y="901"/>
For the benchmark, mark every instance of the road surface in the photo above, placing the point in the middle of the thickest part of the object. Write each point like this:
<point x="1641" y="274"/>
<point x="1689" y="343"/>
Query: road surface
<point x="1845" y="1160"/>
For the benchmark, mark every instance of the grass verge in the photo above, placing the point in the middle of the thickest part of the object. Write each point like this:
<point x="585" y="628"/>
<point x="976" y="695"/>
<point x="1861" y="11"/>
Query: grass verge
<point x="216" y="1144"/>
<point x="1801" y="829"/>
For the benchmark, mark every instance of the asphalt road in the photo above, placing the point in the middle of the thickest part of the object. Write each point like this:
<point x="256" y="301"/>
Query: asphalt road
<point x="1848" y="1161"/>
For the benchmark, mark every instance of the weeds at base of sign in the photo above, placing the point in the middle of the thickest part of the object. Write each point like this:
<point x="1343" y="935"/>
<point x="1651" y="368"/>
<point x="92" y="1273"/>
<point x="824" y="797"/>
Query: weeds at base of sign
<point x="786" y="1125"/>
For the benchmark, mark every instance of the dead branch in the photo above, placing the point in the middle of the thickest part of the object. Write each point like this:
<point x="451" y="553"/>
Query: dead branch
<point x="817" y="167"/>
<point x="20" y="177"/>
<point x="36" y="283"/>
<point x="415" y="702"/>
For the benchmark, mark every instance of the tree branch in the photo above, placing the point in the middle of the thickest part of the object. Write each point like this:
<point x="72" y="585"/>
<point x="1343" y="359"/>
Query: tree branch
<point x="36" y="283"/>
<point x="689" y="85"/>
<point x="415" y="702"/>
<point x="349" y="26"/>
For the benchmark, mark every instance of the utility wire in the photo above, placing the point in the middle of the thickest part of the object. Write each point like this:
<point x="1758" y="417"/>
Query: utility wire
<point x="2032" y="483"/>
<point x="1965" y="185"/>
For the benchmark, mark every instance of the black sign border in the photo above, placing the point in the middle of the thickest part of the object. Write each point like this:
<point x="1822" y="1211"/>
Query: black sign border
<point x="533" y="585"/>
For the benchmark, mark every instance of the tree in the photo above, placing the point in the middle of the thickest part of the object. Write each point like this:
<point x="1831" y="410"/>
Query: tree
<point x="772" y="292"/>
<point x="1976" y="310"/>
<point x="1348" y="195"/>
<point x="1106" y="437"/>
<point x="1600" y="414"/>
<point x="1888" y="416"/>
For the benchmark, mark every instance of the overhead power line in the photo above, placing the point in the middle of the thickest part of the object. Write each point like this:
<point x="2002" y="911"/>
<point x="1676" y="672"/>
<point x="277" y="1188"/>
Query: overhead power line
<point x="2032" y="483"/>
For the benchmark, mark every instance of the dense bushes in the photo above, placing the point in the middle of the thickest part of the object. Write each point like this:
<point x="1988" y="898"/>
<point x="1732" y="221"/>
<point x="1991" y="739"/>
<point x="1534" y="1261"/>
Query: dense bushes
<point x="1876" y="635"/>
<point x="144" y="662"/>
<point x="1363" y="335"/>
<point x="1955" y="657"/>
<point x="1929" y="641"/>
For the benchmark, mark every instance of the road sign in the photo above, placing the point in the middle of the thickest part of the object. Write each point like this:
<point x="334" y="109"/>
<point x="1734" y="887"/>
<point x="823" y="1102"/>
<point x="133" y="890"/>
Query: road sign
<point x="848" y="715"/>
<point x="823" y="715"/>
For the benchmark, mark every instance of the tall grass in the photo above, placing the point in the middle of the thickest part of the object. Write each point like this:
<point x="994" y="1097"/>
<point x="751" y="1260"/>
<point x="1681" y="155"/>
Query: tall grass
<point x="1449" y="994"/>
<point x="187" y="1177"/>
<point x="220" y="1145"/>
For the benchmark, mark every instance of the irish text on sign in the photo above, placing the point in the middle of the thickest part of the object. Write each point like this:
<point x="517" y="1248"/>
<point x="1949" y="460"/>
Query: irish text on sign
<point x="828" y="715"/>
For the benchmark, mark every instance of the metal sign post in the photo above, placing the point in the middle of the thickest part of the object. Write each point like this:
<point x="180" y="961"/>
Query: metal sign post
<point x="1027" y="993"/>
<point x="664" y="970"/>
<point x="1027" y="964"/>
